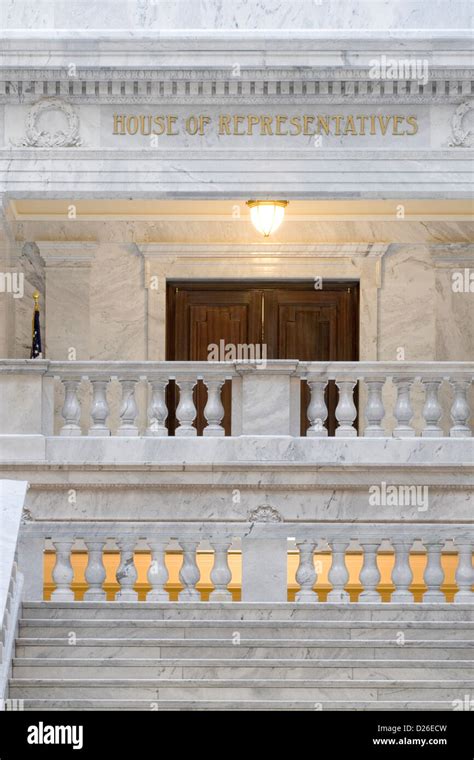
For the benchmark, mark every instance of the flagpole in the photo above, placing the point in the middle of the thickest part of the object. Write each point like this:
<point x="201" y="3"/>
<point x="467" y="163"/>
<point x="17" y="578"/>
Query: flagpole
<point x="36" y="352"/>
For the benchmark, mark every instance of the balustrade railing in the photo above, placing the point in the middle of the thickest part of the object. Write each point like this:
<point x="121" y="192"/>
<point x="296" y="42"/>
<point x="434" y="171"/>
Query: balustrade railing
<point x="267" y="579"/>
<point x="394" y="399"/>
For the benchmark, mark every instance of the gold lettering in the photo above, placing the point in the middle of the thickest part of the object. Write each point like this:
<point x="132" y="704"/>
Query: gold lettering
<point x="279" y="121"/>
<point x="238" y="122"/>
<point x="119" y="124"/>
<point x="413" y="122"/>
<point x="145" y="130"/>
<point x="171" y="122"/>
<point x="397" y="121"/>
<point x="192" y="125"/>
<point x="159" y="127"/>
<point x="350" y="127"/>
<point x="266" y="126"/>
<point x="295" y="122"/>
<point x="252" y="122"/>
<point x="307" y="120"/>
<point x="323" y="122"/>
<point x="338" y="120"/>
<point x="373" y="131"/>
<point x="384" y="122"/>
<point x="132" y="125"/>
<point x="362" y="120"/>
<point x="224" y="125"/>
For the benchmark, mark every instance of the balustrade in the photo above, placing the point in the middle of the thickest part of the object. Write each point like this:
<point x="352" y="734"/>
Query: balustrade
<point x="339" y="543"/>
<point x="375" y="399"/>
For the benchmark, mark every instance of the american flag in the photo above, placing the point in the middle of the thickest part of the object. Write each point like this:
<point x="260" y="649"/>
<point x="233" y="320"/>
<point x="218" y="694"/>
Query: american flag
<point x="36" y="349"/>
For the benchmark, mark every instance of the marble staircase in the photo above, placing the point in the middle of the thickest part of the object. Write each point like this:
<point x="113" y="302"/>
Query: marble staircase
<point x="242" y="656"/>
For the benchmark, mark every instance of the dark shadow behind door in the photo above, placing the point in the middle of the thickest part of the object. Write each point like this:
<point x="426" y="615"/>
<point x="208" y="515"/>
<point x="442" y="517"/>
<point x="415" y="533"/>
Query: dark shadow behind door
<point x="293" y="319"/>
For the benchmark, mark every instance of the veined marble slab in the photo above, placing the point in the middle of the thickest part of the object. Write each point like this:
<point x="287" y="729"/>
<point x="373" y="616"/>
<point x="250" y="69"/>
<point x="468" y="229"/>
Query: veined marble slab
<point x="235" y="14"/>
<point x="12" y="497"/>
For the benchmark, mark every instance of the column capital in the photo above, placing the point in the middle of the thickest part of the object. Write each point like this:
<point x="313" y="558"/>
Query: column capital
<point x="67" y="253"/>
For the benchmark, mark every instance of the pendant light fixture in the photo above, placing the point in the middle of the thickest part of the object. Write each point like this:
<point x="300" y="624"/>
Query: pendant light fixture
<point x="267" y="216"/>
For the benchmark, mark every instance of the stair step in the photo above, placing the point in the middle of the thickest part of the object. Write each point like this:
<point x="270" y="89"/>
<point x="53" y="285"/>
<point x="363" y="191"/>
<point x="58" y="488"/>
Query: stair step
<point x="238" y="657"/>
<point x="154" y="690"/>
<point x="233" y="705"/>
<point x="249" y="648"/>
<point x="242" y="611"/>
<point x="33" y="668"/>
<point x="275" y="629"/>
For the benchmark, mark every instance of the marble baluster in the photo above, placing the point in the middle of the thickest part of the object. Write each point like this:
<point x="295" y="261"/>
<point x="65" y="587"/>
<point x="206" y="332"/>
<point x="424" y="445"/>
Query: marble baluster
<point x="95" y="571"/>
<point x="374" y="410"/>
<point x="460" y="411"/>
<point x="126" y="572"/>
<point x="338" y="574"/>
<point x="434" y="573"/>
<point x="214" y="409"/>
<point x="221" y="574"/>
<point x="317" y="411"/>
<point x="99" y="408"/>
<point x="189" y="574"/>
<point x="306" y="575"/>
<point x="432" y="410"/>
<point x="370" y="574"/>
<point x="71" y="410"/>
<point x="128" y="408"/>
<point x="157" y="410"/>
<point x="186" y="409"/>
<point x="158" y="572"/>
<point x="63" y="573"/>
<point x="403" y="411"/>
<point x="464" y="572"/>
<point x="402" y="575"/>
<point x="346" y="411"/>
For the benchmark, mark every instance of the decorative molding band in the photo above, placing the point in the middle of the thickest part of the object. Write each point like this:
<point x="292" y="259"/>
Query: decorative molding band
<point x="291" y="84"/>
<point x="290" y="250"/>
<point x="67" y="253"/>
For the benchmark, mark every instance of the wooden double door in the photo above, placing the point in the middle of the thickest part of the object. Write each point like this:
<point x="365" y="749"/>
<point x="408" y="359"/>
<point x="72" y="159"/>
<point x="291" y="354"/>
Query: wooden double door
<point x="289" y="320"/>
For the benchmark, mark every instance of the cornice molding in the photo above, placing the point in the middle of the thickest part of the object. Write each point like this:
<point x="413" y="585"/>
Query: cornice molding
<point x="289" y="84"/>
<point x="67" y="253"/>
<point x="290" y="250"/>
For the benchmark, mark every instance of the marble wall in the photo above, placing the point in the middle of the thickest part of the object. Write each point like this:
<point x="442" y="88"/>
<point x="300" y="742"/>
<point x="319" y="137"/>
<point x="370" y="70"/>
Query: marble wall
<point x="111" y="314"/>
<point x="235" y="14"/>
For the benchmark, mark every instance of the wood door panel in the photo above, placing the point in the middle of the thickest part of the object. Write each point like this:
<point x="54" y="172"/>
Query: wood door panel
<point x="314" y="325"/>
<point x="299" y="322"/>
<point x="201" y="315"/>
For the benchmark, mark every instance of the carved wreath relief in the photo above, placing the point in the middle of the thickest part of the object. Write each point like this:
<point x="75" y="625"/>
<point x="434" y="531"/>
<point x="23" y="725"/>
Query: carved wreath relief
<point x="38" y="137"/>
<point x="461" y="137"/>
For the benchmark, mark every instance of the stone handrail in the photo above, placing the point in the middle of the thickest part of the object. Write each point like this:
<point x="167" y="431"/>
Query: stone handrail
<point x="12" y="497"/>
<point x="264" y="546"/>
<point x="265" y="397"/>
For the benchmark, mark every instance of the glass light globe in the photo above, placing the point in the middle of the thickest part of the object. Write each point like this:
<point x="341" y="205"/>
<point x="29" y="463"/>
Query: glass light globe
<point x="267" y="216"/>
